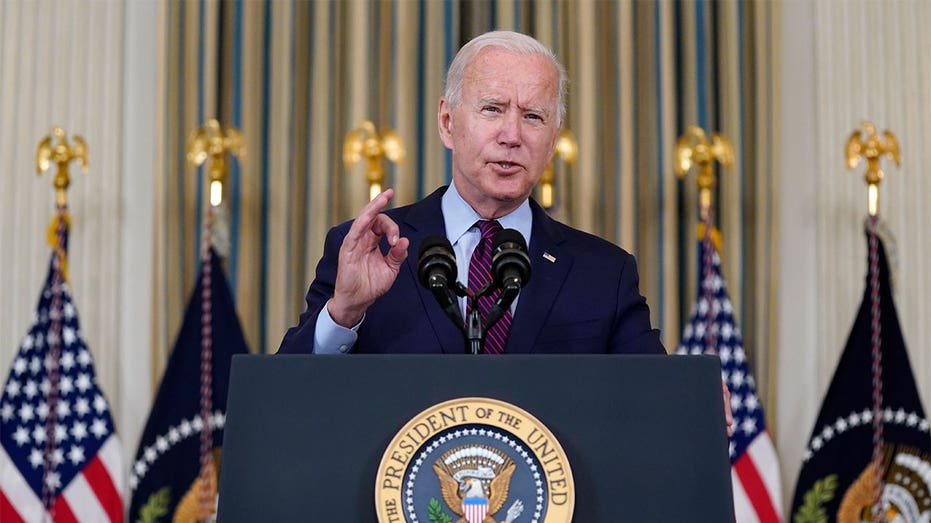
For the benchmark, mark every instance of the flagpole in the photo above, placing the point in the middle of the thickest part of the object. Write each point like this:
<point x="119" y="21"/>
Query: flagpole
<point x="210" y="143"/>
<point x="871" y="147"/>
<point x="694" y="152"/>
<point x="54" y="344"/>
<point x="183" y="435"/>
<point x="54" y="148"/>
<point x="712" y="330"/>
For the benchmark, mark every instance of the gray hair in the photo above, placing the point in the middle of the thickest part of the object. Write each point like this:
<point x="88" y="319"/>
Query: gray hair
<point x="508" y="40"/>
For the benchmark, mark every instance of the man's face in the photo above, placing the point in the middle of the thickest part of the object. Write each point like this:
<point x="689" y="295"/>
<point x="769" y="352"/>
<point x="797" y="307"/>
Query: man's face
<point x="503" y="132"/>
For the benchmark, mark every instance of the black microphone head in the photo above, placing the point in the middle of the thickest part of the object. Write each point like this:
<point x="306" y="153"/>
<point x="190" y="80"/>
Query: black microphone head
<point x="509" y="257"/>
<point x="436" y="259"/>
<point x="508" y="236"/>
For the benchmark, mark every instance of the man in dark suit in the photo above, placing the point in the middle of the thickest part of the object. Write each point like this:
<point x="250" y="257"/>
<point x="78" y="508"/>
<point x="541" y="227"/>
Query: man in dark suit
<point x="500" y="116"/>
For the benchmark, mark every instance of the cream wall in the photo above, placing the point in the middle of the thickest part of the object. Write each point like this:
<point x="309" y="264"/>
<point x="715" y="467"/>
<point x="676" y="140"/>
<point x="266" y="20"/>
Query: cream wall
<point x="797" y="379"/>
<point x="141" y="99"/>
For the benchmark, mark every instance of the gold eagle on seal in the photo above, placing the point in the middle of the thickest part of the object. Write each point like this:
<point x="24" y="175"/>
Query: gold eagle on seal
<point x="477" y="472"/>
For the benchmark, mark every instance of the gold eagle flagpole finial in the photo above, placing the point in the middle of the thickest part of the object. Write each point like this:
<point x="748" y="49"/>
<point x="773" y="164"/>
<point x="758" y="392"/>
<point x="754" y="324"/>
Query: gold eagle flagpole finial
<point x="214" y="142"/>
<point x="567" y="150"/>
<point x="365" y="142"/>
<point x="871" y="146"/>
<point x="695" y="152"/>
<point x="54" y="148"/>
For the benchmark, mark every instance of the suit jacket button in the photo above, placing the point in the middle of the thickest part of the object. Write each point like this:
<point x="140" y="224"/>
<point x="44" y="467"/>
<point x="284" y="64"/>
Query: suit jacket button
<point x="344" y="348"/>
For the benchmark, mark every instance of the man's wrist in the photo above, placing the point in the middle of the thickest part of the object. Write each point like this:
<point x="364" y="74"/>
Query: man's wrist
<point x="344" y="316"/>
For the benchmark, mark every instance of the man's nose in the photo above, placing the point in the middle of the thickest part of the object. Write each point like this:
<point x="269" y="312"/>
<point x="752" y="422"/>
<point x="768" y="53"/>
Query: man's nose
<point x="509" y="131"/>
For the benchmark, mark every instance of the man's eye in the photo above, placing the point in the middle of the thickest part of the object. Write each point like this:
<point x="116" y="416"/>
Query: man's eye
<point x="537" y="117"/>
<point x="490" y="109"/>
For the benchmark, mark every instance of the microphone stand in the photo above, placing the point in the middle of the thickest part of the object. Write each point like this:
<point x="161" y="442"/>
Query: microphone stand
<point x="474" y="332"/>
<point x="473" y="329"/>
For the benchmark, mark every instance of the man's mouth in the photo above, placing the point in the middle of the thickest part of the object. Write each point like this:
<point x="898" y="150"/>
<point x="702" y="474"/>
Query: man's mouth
<point x="507" y="165"/>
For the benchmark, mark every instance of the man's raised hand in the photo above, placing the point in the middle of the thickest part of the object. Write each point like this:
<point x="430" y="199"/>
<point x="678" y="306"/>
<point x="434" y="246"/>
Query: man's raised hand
<point x="363" y="274"/>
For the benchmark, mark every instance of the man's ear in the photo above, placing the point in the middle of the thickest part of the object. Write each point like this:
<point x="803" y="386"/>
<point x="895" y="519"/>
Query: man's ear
<point x="444" y="123"/>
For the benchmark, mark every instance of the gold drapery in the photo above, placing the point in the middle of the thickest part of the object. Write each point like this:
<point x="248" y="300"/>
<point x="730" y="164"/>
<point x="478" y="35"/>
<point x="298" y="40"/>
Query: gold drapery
<point x="296" y="76"/>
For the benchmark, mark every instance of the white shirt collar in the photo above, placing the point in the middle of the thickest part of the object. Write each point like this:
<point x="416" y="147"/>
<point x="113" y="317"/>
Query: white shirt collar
<point x="459" y="216"/>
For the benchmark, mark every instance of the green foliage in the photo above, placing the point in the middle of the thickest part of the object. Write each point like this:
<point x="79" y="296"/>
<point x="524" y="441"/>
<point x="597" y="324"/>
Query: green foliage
<point x="436" y="514"/>
<point x="812" y="510"/>
<point x="155" y="507"/>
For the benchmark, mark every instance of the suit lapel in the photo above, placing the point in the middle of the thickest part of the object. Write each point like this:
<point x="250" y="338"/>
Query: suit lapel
<point x="550" y="263"/>
<point x="423" y="219"/>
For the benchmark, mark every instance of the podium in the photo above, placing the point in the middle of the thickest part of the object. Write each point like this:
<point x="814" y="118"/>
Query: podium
<point x="645" y="436"/>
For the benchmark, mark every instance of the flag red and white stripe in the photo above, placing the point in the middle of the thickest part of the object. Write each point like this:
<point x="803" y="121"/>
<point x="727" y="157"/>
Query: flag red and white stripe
<point x="755" y="478"/>
<point x="94" y="495"/>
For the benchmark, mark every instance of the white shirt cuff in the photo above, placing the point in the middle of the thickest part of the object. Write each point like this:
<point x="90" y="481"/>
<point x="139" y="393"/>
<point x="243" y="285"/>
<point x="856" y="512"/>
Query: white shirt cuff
<point x="331" y="338"/>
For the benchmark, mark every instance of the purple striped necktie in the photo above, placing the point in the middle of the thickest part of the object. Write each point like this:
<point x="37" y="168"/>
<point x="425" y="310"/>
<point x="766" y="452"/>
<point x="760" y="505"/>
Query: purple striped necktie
<point x="479" y="274"/>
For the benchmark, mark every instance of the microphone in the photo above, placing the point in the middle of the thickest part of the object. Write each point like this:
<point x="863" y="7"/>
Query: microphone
<point x="510" y="268"/>
<point x="436" y="270"/>
<point x="510" y="264"/>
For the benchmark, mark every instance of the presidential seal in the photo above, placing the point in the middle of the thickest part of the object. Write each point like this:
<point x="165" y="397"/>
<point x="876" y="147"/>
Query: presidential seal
<point x="474" y="460"/>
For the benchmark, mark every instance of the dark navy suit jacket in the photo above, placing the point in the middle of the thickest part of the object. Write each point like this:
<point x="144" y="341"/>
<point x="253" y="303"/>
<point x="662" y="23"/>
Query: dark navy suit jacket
<point x="586" y="300"/>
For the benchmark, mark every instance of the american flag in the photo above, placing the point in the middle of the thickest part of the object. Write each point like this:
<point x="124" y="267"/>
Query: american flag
<point x="754" y="464"/>
<point x="76" y="475"/>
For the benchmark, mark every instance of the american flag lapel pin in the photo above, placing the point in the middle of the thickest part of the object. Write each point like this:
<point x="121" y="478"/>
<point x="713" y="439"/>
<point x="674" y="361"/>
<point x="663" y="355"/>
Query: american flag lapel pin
<point x="549" y="257"/>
